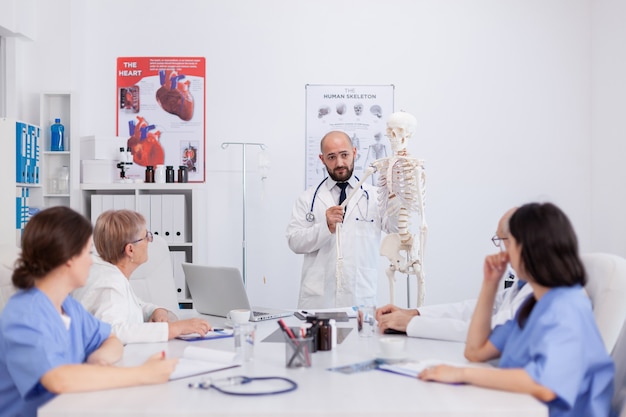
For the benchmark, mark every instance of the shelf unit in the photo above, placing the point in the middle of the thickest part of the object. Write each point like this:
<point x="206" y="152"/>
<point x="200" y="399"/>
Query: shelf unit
<point x="60" y="105"/>
<point x="24" y="194"/>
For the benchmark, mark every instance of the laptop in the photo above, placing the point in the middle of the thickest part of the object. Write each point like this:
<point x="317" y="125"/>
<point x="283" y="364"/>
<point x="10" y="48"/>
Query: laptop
<point x="215" y="290"/>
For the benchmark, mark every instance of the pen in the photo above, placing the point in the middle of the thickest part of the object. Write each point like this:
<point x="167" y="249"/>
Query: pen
<point x="286" y="328"/>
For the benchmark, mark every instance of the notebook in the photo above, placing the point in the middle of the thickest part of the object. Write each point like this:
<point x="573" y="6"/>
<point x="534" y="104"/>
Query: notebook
<point x="215" y="290"/>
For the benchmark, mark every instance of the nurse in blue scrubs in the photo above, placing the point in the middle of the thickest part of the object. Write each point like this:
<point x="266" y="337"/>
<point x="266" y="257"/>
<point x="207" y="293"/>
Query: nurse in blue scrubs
<point x="49" y="344"/>
<point x="552" y="348"/>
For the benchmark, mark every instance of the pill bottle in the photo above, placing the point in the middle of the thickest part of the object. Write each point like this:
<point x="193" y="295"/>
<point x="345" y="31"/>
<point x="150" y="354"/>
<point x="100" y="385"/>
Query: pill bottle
<point x="149" y="173"/>
<point x="182" y="174"/>
<point x="169" y="174"/>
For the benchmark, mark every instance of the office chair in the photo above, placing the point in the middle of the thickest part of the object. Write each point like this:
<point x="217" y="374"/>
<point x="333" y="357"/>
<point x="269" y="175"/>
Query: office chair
<point x="606" y="287"/>
<point x="618" y="405"/>
<point x="153" y="281"/>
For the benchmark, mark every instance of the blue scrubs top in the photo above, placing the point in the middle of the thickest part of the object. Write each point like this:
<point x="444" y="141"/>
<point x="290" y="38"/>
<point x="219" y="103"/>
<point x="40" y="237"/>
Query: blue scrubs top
<point x="34" y="340"/>
<point x="560" y="348"/>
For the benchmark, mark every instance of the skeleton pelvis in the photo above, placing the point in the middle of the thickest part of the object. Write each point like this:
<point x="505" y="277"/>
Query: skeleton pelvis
<point x="398" y="253"/>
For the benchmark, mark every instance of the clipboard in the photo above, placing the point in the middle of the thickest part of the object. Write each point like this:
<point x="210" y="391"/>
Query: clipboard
<point x="212" y="335"/>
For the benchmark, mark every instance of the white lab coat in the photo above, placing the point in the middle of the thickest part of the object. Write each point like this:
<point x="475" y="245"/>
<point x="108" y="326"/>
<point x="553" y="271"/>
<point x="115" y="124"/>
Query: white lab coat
<point x="109" y="296"/>
<point x="360" y="240"/>
<point x="451" y="321"/>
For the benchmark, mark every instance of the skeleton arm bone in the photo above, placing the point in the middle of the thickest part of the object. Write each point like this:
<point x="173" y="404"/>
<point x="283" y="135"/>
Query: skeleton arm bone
<point x="368" y="172"/>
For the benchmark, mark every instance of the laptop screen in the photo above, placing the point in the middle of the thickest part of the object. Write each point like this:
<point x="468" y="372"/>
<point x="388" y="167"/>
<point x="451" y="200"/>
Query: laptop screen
<point x="215" y="290"/>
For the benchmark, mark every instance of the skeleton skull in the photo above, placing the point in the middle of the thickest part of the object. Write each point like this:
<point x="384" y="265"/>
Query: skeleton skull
<point x="400" y="128"/>
<point x="358" y="109"/>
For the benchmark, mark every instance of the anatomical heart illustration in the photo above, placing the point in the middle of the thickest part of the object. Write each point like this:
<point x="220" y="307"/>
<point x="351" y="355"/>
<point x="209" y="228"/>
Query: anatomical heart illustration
<point x="174" y="96"/>
<point x="144" y="143"/>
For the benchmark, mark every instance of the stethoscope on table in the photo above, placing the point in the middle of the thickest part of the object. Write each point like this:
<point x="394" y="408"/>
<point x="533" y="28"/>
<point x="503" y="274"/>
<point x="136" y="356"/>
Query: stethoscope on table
<point x="221" y="385"/>
<point x="310" y="217"/>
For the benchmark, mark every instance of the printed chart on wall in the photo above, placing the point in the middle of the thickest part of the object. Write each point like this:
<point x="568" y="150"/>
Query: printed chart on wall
<point x="160" y="108"/>
<point x="361" y="111"/>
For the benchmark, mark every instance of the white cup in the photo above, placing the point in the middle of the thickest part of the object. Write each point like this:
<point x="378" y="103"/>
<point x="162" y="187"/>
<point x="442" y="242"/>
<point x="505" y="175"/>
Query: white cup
<point x="392" y="347"/>
<point x="239" y="316"/>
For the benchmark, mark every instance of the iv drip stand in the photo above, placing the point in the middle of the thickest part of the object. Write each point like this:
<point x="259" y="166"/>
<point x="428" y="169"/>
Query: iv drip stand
<point x="243" y="181"/>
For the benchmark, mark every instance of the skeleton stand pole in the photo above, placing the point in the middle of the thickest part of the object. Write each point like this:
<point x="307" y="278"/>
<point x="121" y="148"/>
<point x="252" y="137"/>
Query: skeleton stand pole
<point x="243" y="182"/>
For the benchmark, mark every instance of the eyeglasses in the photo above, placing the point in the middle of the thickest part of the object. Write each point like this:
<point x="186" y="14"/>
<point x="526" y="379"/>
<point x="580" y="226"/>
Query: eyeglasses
<point x="497" y="241"/>
<point x="149" y="237"/>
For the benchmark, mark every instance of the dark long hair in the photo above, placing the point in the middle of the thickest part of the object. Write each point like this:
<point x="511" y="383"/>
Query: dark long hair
<point x="51" y="237"/>
<point x="549" y="249"/>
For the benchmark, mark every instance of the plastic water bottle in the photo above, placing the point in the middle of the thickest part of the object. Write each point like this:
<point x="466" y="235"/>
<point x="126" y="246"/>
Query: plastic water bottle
<point x="57" y="136"/>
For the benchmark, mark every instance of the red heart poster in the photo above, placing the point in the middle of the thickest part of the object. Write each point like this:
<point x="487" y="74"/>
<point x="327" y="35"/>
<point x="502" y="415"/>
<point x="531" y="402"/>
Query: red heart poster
<point x="160" y="109"/>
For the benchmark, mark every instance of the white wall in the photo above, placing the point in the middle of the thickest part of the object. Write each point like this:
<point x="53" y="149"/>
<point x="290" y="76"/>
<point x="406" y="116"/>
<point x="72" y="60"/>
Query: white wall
<point x="501" y="91"/>
<point x="609" y="145"/>
<point x="16" y="18"/>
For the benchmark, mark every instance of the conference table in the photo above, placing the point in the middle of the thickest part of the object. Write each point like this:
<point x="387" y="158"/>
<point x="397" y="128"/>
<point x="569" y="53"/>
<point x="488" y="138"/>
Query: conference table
<point x="320" y="392"/>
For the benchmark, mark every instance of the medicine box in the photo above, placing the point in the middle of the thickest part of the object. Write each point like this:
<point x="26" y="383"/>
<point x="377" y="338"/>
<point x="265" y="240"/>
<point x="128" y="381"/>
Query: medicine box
<point x="101" y="147"/>
<point x="98" y="171"/>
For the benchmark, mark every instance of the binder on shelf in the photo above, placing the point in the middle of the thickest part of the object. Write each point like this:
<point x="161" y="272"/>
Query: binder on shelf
<point x="124" y="202"/>
<point x="25" y="213"/>
<point x="178" y="257"/>
<point x="18" y="208"/>
<point x="178" y="217"/>
<point x="107" y="202"/>
<point x="30" y="154"/>
<point x="27" y="158"/>
<point x="173" y="217"/>
<point x="20" y="152"/>
<point x="155" y="214"/>
<point x="21" y="207"/>
<point x="96" y="207"/>
<point x="143" y="207"/>
<point x="37" y="154"/>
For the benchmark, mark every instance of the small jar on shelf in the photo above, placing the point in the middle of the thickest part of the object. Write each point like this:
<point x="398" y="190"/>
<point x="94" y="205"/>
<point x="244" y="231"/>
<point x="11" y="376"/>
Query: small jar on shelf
<point x="63" y="180"/>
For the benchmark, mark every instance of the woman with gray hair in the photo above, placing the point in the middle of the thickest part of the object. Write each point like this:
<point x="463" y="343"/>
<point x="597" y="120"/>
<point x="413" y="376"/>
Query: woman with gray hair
<point x="121" y="240"/>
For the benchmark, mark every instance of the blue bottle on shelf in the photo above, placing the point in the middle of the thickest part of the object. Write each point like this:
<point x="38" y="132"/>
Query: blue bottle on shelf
<point x="57" y="136"/>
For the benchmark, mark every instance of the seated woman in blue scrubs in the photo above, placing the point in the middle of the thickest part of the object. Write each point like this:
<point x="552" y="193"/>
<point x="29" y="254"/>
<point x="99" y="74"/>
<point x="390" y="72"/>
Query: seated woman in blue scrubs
<point x="49" y="344"/>
<point x="552" y="348"/>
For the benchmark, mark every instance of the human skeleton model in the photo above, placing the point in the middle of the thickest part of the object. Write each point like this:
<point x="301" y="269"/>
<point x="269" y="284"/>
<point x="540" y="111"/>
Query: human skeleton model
<point x="402" y="191"/>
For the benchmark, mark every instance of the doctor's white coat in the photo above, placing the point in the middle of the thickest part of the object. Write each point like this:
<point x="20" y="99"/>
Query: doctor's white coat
<point x="360" y="241"/>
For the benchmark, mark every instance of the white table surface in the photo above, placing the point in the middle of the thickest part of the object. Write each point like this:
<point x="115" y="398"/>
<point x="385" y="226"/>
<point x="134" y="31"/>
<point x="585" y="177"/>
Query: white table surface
<point x="320" y="392"/>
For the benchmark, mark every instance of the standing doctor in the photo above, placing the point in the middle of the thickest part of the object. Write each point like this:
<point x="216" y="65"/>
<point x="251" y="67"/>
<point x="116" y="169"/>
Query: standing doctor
<point x="311" y="231"/>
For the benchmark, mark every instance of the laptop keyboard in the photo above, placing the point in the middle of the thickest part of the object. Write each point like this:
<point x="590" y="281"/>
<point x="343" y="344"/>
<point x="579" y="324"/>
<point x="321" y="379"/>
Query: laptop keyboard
<point x="258" y="313"/>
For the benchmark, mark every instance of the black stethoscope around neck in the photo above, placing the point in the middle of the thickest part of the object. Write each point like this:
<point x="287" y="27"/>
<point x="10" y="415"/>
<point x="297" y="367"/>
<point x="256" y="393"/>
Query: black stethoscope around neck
<point x="310" y="217"/>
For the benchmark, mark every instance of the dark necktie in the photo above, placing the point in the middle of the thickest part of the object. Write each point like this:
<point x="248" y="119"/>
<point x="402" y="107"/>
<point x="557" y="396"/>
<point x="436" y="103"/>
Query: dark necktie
<point x="342" y="194"/>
